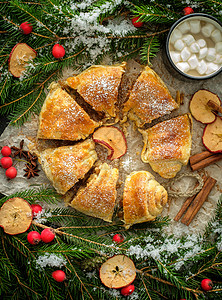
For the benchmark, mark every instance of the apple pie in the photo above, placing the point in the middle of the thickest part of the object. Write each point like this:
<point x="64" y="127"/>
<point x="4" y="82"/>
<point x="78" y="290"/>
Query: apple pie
<point x="167" y="145"/>
<point x="66" y="165"/>
<point x="97" y="199"/>
<point x="62" y="118"/>
<point x="143" y="198"/>
<point x="98" y="85"/>
<point x="149" y="99"/>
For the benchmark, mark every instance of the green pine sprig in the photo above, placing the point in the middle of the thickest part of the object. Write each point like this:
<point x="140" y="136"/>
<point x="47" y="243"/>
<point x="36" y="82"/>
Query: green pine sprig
<point x="83" y="241"/>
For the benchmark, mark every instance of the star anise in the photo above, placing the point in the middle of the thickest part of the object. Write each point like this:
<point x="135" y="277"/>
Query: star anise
<point x="19" y="151"/>
<point x="31" y="171"/>
<point x="32" y="159"/>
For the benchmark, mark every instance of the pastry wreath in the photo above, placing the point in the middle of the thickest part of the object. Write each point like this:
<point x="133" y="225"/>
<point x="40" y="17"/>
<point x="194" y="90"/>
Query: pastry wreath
<point x="166" y="145"/>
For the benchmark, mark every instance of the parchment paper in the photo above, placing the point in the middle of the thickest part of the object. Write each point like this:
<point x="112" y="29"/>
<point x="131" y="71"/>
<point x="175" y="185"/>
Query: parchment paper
<point x="131" y="160"/>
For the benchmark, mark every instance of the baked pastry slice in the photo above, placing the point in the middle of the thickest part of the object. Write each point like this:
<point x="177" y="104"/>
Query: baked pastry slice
<point x="143" y="198"/>
<point x="98" y="85"/>
<point x="62" y="118"/>
<point x="149" y="99"/>
<point x="167" y="145"/>
<point x="97" y="199"/>
<point x="64" y="166"/>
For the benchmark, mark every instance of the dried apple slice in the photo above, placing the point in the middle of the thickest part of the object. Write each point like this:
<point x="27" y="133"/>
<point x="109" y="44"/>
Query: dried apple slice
<point x="199" y="108"/>
<point x="117" y="272"/>
<point x="18" y="59"/>
<point x="15" y="216"/>
<point x="212" y="136"/>
<point x="113" y="139"/>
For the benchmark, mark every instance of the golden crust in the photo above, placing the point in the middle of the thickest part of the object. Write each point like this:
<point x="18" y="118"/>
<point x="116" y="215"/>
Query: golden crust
<point x="149" y="99"/>
<point x="143" y="198"/>
<point x="62" y="118"/>
<point x="98" y="85"/>
<point x="64" y="166"/>
<point x="167" y="145"/>
<point x="97" y="199"/>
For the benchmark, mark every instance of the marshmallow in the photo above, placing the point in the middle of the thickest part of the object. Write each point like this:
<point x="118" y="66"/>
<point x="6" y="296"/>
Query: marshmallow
<point x="179" y="45"/>
<point x="183" y="66"/>
<point x="218" y="47"/>
<point x="193" y="61"/>
<point x="202" y="67"/>
<point x="188" y="39"/>
<point x="185" y="54"/>
<point x="202" y="43"/>
<point x="216" y="36"/>
<point x="176" y="35"/>
<point x="195" y="26"/>
<point x="211" y="54"/>
<point x="207" y="29"/>
<point x="203" y="52"/>
<point x="175" y="56"/>
<point x="194" y="48"/>
<point x="218" y="59"/>
<point x="211" y="68"/>
<point x="184" y="27"/>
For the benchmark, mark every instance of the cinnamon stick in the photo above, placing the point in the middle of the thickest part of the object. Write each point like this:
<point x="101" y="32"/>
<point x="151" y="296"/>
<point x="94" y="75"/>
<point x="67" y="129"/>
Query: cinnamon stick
<point x="184" y="208"/>
<point x="214" y="106"/>
<point x="198" y="201"/>
<point x="200" y="156"/>
<point x="206" y="162"/>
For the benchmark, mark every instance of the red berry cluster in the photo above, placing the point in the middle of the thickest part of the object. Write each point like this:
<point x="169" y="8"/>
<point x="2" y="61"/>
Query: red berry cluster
<point x="34" y="237"/>
<point x="47" y="236"/>
<point x="6" y="163"/>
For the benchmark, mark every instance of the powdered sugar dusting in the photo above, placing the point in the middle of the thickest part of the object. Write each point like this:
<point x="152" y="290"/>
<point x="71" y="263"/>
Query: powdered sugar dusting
<point x="169" y="139"/>
<point x="99" y="87"/>
<point x="66" y="165"/>
<point x="149" y="99"/>
<point x="62" y="118"/>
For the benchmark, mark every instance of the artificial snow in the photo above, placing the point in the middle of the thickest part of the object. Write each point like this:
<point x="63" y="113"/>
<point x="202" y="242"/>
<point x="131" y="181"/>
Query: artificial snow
<point x="163" y="251"/>
<point x="50" y="260"/>
<point x="42" y="216"/>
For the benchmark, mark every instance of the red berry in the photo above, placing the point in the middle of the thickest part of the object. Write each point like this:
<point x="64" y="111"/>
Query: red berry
<point x="47" y="235"/>
<point x="135" y="23"/>
<point x="36" y="208"/>
<point x="187" y="10"/>
<point x="11" y="172"/>
<point x="58" y="51"/>
<point x="33" y="237"/>
<point x="26" y="28"/>
<point x="206" y="284"/>
<point x="6" y="162"/>
<point x="118" y="238"/>
<point x="6" y="151"/>
<point x="59" y="275"/>
<point x="127" y="290"/>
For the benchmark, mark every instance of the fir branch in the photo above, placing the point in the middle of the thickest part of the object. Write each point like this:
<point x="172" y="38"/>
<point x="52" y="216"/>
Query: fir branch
<point x="150" y="47"/>
<point x="16" y="273"/>
<point x="30" y="107"/>
<point x="25" y="9"/>
<point x="155" y="14"/>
